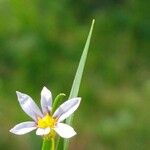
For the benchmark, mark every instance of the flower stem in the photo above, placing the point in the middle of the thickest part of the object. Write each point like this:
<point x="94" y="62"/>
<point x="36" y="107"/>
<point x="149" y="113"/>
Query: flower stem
<point x="45" y="144"/>
<point x="53" y="144"/>
<point x="48" y="145"/>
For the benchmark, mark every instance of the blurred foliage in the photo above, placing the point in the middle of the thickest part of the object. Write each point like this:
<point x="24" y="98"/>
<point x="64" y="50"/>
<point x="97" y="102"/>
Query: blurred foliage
<point x="41" y="43"/>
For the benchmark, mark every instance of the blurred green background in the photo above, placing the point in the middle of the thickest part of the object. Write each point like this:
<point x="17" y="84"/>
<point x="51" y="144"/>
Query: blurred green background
<point x="40" y="45"/>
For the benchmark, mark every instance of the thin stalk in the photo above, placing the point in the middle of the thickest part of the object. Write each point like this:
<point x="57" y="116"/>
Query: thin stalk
<point x="45" y="144"/>
<point x="48" y="144"/>
<point x="53" y="144"/>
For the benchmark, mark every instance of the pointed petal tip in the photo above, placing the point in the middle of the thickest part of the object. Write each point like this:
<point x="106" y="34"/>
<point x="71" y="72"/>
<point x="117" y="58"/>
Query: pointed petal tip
<point x="23" y="128"/>
<point x="29" y="106"/>
<point x="76" y="98"/>
<point x="67" y="108"/>
<point x="75" y="133"/>
<point x="11" y="130"/>
<point x="17" y="92"/>
<point x="46" y="100"/>
<point x="45" y="88"/>
<point x="79" y="99"/>
<point x="64" y="130"/>
<point x="46" y="92"/>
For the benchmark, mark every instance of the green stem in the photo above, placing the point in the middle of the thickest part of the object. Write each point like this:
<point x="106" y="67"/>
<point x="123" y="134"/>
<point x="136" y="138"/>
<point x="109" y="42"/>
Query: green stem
<point x="44" y="145"/>
<point x="53" y="144"/>
<point x="47" y="145"/>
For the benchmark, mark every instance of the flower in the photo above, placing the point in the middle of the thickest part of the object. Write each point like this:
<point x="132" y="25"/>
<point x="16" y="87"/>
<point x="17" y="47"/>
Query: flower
<point x="46" y="123"/>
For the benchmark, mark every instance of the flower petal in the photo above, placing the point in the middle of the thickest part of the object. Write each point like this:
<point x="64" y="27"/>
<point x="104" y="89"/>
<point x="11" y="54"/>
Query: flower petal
<point x="29" y="106"/>
<point x="23" y="128"/>
<point x="67" y="108"/>
<point x="46" y="100"/>
<point x="42" y="131"/>
<point x="64" y="130"/>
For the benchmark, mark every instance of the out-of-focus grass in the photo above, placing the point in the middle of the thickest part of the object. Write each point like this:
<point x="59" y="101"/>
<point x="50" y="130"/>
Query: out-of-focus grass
<point x="114" y="112"/>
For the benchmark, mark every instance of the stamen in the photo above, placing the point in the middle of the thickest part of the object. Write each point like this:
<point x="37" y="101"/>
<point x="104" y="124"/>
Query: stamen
<point x="46" y="121"/>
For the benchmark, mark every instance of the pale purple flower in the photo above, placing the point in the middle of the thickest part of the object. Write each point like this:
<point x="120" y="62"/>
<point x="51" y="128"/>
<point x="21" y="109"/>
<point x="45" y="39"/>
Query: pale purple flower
<point x="45" y="123"/>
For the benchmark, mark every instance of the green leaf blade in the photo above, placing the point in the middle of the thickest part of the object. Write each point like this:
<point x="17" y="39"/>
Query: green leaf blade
<point x="80" y="69"/>
<point x="78" y="77"/>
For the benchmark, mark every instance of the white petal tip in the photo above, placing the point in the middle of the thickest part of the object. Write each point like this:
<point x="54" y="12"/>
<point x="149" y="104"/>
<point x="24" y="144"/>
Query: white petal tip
<point x="23" y="128"/>
<point x="46" y="93"/>
<point x="11" y="130"/>
<point x="73" y="134"/>
<point x="79" y="99"/>
<point x="19" y="94"/>
<point x="67" y="108"/>
<point x="46" y="100"/>
<point x="45" y="89"/>
<point x="14" y="131"/>
<point x="65" y="131"/>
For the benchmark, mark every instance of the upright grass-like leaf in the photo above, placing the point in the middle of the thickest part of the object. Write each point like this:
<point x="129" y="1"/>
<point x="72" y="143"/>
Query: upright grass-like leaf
<point x="79" y="73"/>
<point x="63" y="144"/>
<point x="78" y="77"/>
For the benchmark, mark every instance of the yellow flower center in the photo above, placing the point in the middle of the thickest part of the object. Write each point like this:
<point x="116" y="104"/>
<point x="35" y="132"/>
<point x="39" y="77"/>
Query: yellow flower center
<point x="46" y="121"/>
